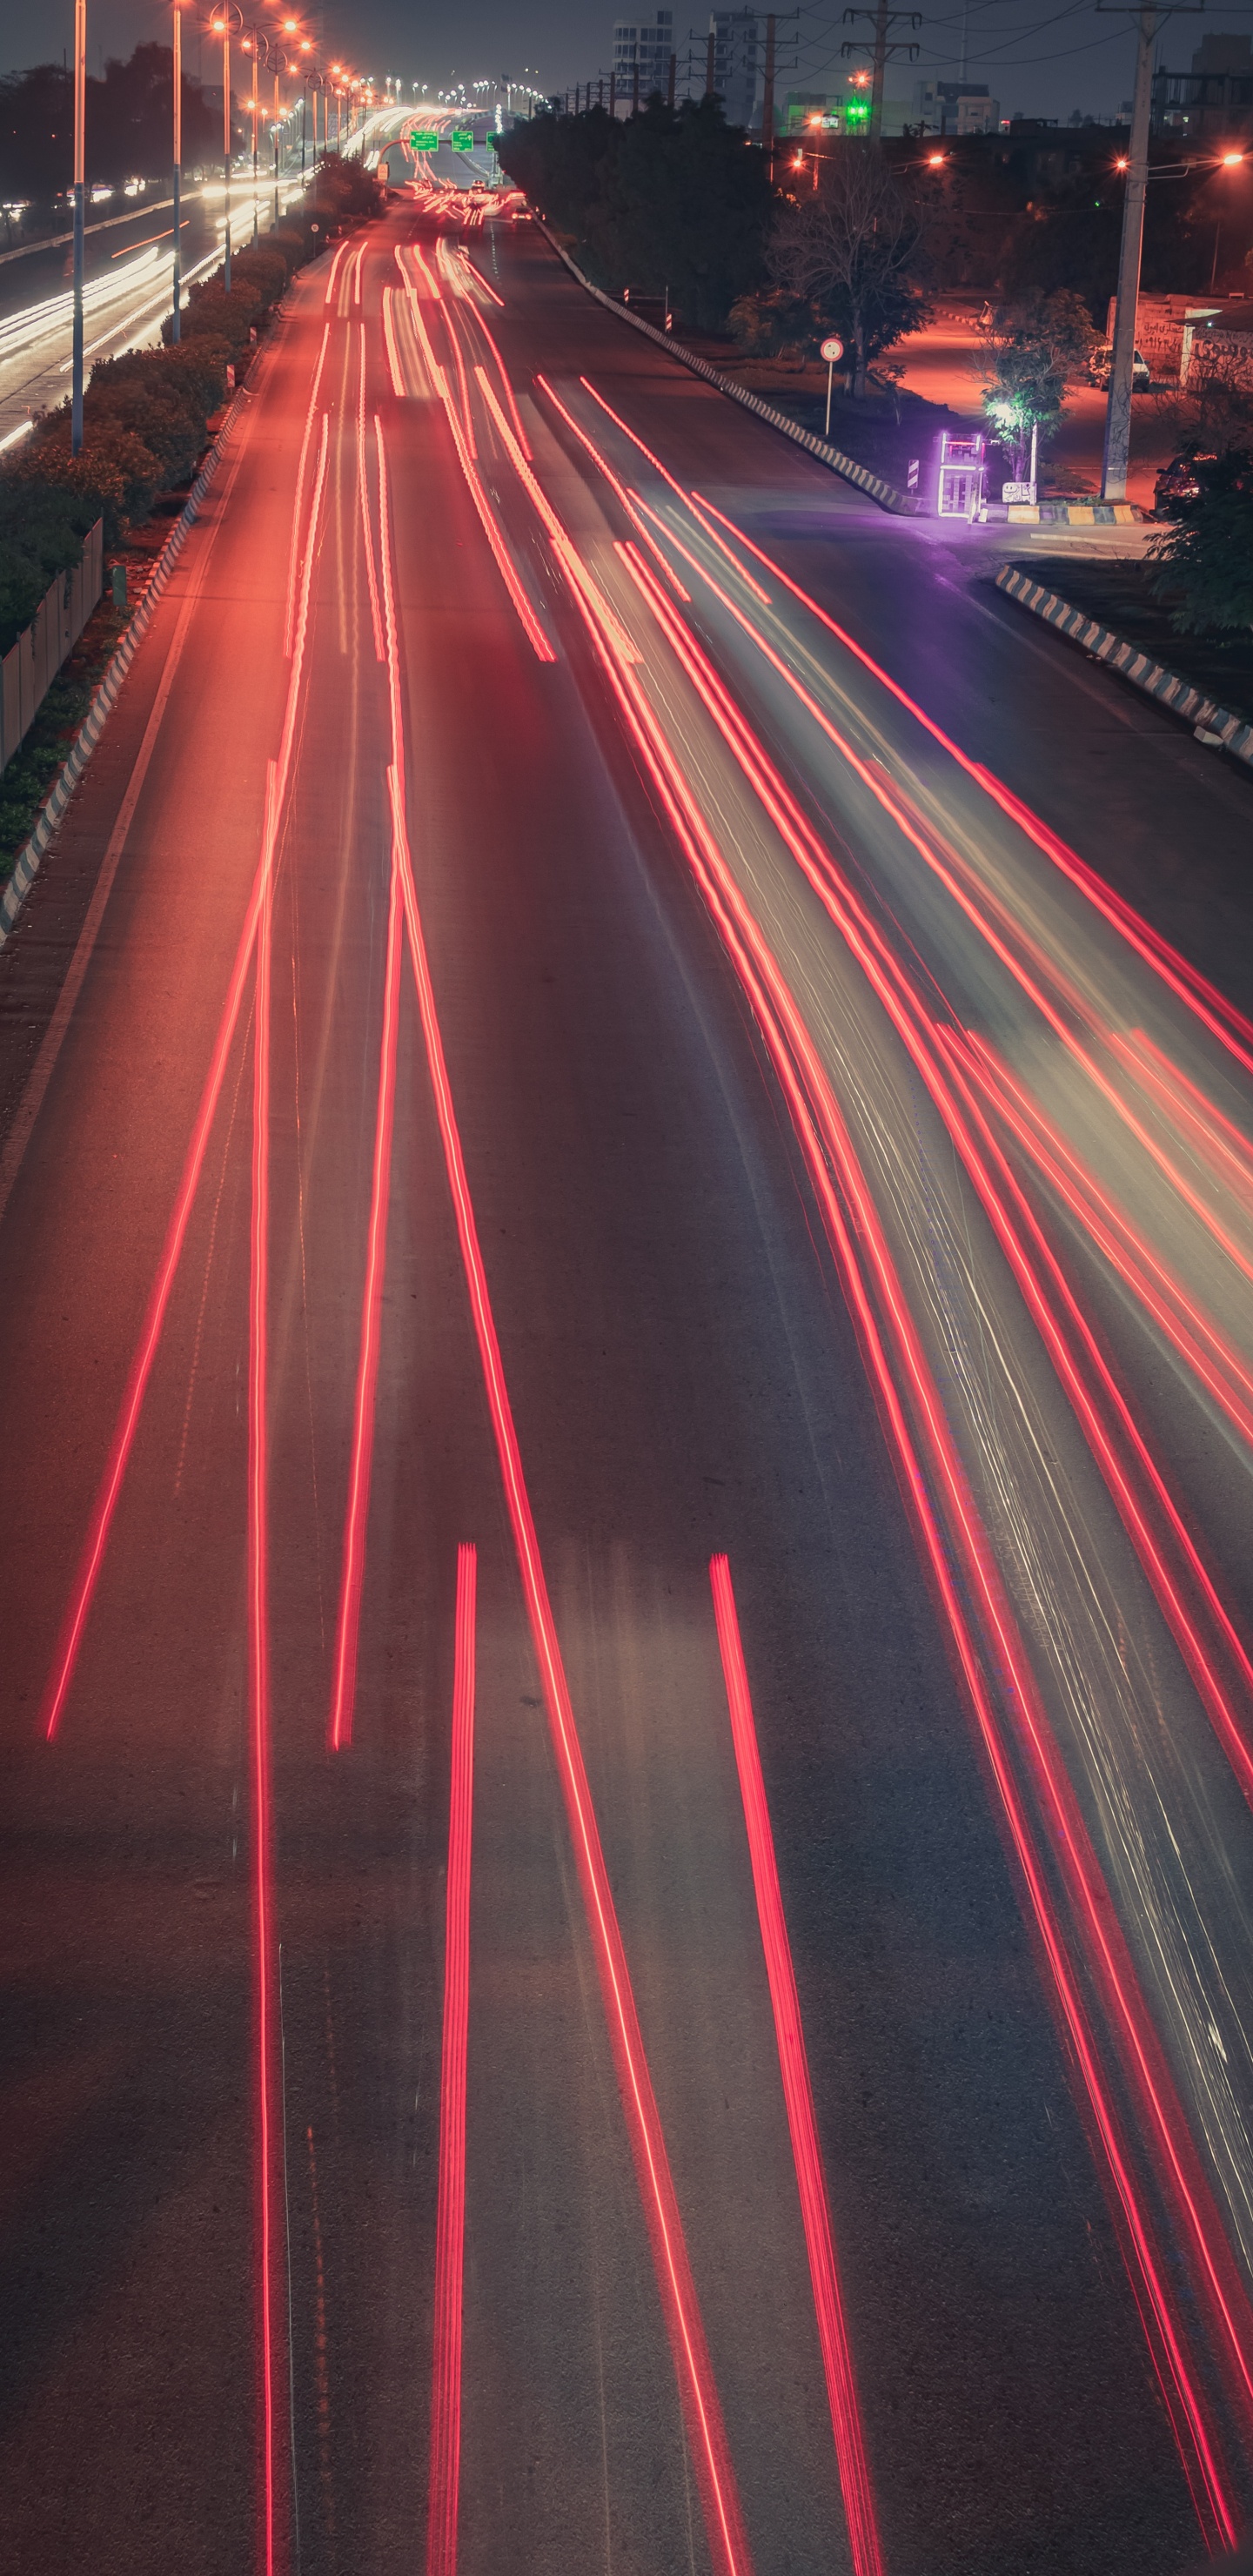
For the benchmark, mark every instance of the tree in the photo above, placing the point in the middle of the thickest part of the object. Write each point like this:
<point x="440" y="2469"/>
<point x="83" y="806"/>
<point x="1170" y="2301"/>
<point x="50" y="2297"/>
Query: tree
<point x="128" y="125"/>
<point x="1032" y="350"/>
<point x="671" y="199"/>
<point x="1205" y="562"/>
<point x="851" y="248"/>
<point x="774" y="324"/>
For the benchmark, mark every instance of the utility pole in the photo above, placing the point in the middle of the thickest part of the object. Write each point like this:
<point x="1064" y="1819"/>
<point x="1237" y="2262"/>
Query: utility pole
<point x="80" y="164"/>
<point x="176" y="321"/>
<point x="671" y="76"/>
<point x="1122" y="355"/>
<point x="226" y="144"/>
<point x="880" y="61"/>
<point x="613" y="94"/>
<point x="635" y="84"/>
<point x="709" y="65"/>
<point x="767" y="99"/>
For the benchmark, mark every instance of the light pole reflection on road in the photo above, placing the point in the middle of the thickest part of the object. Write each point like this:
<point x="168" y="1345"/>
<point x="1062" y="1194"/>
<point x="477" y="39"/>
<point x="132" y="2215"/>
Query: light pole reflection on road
<point x="80" y="121"/>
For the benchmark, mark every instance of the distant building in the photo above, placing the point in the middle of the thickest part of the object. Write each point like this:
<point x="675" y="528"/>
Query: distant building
<point x="956" y="107"/>
<point x="736" y="60"/>
<point x="1215" y="97"/>
<point x="648" y="42"/>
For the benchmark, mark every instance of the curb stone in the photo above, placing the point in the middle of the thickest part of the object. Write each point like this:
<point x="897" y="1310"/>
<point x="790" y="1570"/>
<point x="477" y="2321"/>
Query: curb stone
<point x="902" y="504"/>
<point x="105" y="696"/>
<point x="1214" y="724"/>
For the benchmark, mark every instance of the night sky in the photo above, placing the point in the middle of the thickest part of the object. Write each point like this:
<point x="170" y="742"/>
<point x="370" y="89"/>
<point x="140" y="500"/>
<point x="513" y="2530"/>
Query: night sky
<point x="1039" y="59"/>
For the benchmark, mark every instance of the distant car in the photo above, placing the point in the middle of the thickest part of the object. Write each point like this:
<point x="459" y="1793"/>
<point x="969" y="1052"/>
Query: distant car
<point x="1101" y="360"/>
<point x="1177" y="484"/>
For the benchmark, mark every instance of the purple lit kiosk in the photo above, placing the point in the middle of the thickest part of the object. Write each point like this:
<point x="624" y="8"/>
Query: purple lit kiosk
<point x="960" y="488"/>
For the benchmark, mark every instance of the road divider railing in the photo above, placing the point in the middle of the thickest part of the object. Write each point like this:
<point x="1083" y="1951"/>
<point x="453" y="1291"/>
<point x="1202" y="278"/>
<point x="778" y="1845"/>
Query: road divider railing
<point x="1210" y="723"/>
<point x="33" y="661"/>
<point x="908" y="505"/>
<point x="104" y="699"/>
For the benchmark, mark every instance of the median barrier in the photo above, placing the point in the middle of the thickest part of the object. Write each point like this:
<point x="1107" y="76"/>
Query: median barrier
<point x="31" y="664"/>
<point x="1214" y="724"/>
<point x="903" y="504"/>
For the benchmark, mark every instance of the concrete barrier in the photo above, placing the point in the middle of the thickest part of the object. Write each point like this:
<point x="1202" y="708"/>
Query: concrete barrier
<point x="1132" y="663"/>
<point x="31" y="664"/>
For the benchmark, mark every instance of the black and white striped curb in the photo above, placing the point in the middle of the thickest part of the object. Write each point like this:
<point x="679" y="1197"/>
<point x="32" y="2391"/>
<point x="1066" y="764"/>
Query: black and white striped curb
<point x="1213" y="723"/>
<point x="903" y="504"/>
<point x="105" y="697"/>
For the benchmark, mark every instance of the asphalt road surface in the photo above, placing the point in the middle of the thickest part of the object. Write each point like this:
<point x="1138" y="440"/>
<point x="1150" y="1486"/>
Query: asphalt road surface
<point x="626" y="1734"/>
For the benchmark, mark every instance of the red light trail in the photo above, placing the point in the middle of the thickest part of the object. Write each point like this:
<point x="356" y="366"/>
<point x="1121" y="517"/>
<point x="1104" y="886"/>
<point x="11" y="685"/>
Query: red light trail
<point x="259" y="1685"/>
<point x="110" y="1487"/>
<point x="706" y="2433"/>
<point x="357" y="1511"/>
<point x="376" y="621"/>
<point x="837" y="2363"/>
<point x="1220" y="1016"/>
<point x="828" y="1147"/>
<point x="441" y="2538"/>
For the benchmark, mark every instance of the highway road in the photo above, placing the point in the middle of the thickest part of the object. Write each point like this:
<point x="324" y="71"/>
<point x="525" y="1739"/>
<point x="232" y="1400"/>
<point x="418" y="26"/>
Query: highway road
<point x="626" y="1198"/>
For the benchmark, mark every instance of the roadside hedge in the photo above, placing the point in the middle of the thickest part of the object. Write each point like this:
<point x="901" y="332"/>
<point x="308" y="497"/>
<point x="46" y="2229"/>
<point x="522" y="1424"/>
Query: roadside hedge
<point x="41" y="534"/>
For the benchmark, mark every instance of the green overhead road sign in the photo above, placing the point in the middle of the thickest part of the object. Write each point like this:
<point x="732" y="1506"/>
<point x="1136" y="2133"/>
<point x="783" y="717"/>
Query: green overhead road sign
<point x="423" y="140"/>
<point x="461" y="139"/>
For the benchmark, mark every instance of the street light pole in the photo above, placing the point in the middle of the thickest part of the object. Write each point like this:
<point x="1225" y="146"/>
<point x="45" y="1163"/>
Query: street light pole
<point x="256" y="48"/>
<point x="176" y="321"/>
<point x="226" y="143"/>
<point x="1122" y="355"/>
<point x="80" y="154"/>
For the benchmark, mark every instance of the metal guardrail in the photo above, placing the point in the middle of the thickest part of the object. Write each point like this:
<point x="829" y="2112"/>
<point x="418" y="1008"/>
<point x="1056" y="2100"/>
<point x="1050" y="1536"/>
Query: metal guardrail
<point x="31" y="665"/>
<point x="902" y="504"/>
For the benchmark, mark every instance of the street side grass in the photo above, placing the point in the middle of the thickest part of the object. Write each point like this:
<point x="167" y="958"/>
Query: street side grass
<point x="1117" y="592"/>
<point x="886" y="431"/>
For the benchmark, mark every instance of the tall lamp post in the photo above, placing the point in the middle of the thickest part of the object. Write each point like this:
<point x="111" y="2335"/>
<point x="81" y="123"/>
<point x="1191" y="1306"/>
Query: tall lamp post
<point x="222" y="28"/>
<point x="80" y="152"/>
<point x="176" y="320"/>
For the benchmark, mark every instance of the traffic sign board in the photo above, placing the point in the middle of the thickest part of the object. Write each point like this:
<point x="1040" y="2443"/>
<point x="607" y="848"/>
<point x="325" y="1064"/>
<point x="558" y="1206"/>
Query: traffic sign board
<point x="423" y="140"/>
<point x="461" y="139"/>
<point x="833" y="351"/>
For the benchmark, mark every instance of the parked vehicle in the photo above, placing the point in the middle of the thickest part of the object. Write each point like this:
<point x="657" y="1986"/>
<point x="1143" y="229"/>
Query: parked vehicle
<point x="1178" y="483"/>
<point x="1101" y="360"/>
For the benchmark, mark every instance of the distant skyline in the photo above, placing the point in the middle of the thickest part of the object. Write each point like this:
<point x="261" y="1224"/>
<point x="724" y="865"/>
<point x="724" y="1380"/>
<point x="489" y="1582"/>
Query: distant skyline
<point x="1040" y="60"/>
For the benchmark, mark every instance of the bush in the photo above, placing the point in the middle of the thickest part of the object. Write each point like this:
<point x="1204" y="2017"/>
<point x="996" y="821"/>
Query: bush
<point x="292" y="246"/>
<point x="221" y="316"/>
<point x="41" y="534"/>
<point x="203" y="362"/>
<point x="774" y="324"/>
<point x="115" y="472"/>
<point x="264" y="269"/>
<point x="145" y="393"/>
<point x="1205" y="564"/>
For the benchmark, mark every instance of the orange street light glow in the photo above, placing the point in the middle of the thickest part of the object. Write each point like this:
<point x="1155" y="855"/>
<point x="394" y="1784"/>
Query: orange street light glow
<point x="1231" y="159"/>
<point x="935" y="160"/>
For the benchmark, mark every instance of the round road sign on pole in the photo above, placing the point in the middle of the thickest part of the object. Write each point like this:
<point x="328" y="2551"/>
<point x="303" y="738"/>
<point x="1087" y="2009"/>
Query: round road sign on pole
<point x="833" y="351"/>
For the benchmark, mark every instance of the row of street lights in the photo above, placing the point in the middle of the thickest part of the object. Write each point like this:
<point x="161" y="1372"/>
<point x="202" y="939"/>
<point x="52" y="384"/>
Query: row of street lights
<point x="258" y="41"/>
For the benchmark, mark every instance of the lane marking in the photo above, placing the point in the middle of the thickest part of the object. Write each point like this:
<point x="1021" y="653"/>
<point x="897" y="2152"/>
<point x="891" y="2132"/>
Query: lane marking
<point x="445" y="2478"/>
<point x="846" y="2423"/>
<point x="701" y="2407"/>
